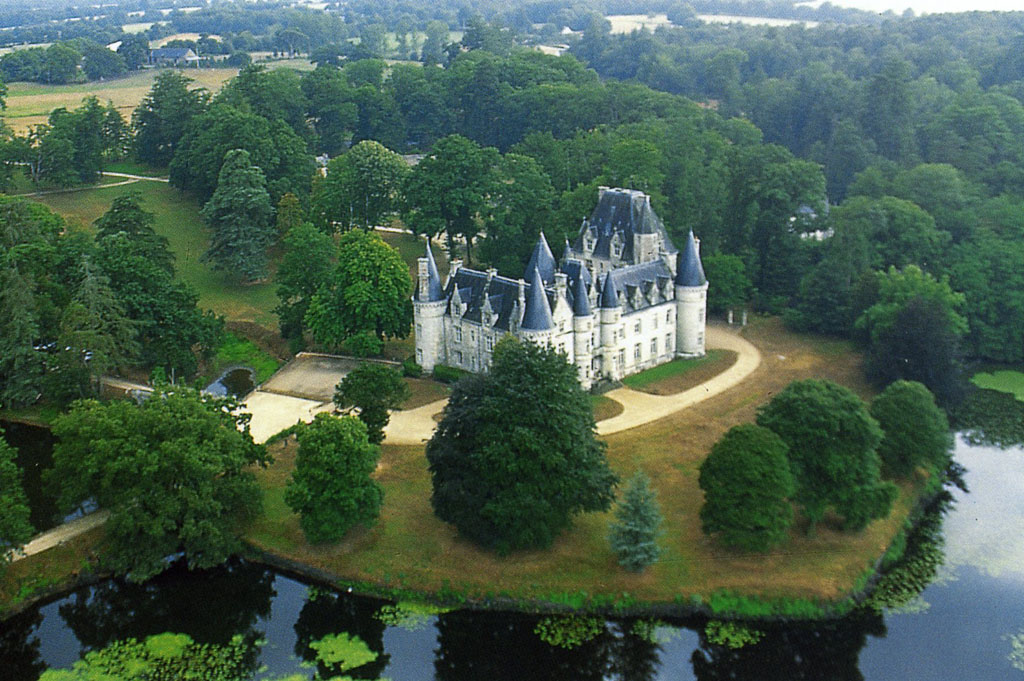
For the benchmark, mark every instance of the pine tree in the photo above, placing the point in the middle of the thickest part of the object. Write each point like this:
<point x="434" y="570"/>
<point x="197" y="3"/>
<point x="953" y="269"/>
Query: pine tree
<point x="634" y="536"/>
<point x="239" y="215"/>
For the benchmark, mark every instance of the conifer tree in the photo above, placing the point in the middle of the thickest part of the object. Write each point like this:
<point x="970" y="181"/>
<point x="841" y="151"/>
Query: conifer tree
<point x="15" y="529"/>
<point x="239" y="215"/>
<point x="635" y="533"/>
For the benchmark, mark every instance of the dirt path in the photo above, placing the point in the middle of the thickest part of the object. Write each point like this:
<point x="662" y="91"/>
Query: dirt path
<point x="417" y="425"/>
<point x="62" y="533"/>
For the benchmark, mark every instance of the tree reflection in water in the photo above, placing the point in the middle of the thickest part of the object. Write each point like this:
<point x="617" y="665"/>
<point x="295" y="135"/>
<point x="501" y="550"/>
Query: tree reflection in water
<point x="327" y="612"/>
<point x="19" y="646"/>
<point x="211" y="606"/>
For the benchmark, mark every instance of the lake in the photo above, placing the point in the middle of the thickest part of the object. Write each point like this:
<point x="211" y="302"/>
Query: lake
<point x="963" y="625"/>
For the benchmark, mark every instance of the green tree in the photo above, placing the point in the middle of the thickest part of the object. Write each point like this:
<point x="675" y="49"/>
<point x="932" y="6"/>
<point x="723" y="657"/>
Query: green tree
<point x="832" y="442"/>
<point x="134" y="49"/>
<point x="289" y="213"/>
<point x="913" y="331"/>
<point x="447" y="192"/>
<point x="21" y="366"/>
<point x="515" y="456"/>
<point x="916" y="431"/>
<point x="331" y="488"/>
<point x="362" y="186"/>
<point x="240" y="216"/>
<point x="747" y="486"/>
<point x="173" y="472"/>
<point x="162" y="117"/>
<point x="730" y="288"/>
<point x="60" y="64"/>
<point x="369" y="290"/>
<point x="15" y="528"/>
<point x="305" y="266"/>
<point x="373" y="390"/>
<point x="634" y="534"/>
<point x="520" y="208"/>
<point x="127" y="215"/>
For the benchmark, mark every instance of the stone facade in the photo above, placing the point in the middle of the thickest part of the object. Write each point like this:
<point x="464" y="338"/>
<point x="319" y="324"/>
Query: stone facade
<point x="623" y="298"/>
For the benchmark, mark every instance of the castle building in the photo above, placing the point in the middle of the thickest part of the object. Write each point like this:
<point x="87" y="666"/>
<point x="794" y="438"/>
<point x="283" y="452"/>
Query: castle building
<point x="623" y="298"/>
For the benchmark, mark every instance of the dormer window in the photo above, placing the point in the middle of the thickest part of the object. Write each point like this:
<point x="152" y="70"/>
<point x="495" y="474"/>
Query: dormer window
<point x="617" y="249"/>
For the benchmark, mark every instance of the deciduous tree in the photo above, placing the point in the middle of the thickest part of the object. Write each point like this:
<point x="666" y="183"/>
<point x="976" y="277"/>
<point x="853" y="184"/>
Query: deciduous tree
<point x="747" y="486"/>
<point x="331" y="488"/>
<point x="915" y="430"/>
<point x="15" y="528"/>
<point x="362" y="186"/>
<point x="832" y="444"/>
<point x="305" y="266"/>
<point x="173" y="472"/>
<point x="372" y="389"/>
<point x="515" y="456"/>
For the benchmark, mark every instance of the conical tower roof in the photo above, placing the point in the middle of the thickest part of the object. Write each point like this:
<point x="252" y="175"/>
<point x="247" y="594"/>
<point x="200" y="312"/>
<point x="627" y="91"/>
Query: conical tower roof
<point x="580" y="302"/>
<point x="689" y="271"/>
<point x="542" y="260"/>
<point x="537" y="316"/>
<point x="609" y="298"/>
<point x="434" y="291"/>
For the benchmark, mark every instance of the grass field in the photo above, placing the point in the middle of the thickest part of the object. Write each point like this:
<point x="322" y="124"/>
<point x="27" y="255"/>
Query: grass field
<point x="31" y="103"/>
<point x="410" y="548"/>
<point x="1004" y="380"/>
<point x="177" y="218"/>
<point x="681" y="374"/>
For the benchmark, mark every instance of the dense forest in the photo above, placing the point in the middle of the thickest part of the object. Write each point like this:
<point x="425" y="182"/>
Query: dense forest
<point x="864" y="178"/>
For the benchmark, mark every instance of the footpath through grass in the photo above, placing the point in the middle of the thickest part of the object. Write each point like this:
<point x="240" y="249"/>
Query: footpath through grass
<point x="409" y="548"/>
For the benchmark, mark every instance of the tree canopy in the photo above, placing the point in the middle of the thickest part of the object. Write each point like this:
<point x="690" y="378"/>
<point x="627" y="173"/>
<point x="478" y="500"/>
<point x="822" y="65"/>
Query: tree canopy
<point x="515" y="456"/>
<point x="916" y="431"/>
<point x="173" y="472"/>
<point x="372" y="389"/>
<point x="747" y="486"/>
<point x="331" y="488"/>
<point x="832" y="443"/>
<point x="15" y="529"/>
<point x="634" y="534"/>
<point x="368" y="291"/>
<point x="362" y="186"/>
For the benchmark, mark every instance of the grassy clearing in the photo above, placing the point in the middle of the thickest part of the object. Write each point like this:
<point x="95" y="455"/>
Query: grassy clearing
<point x="410" y="548"/>
<point x="1004" y="380"/>
<point x="681" y="374"/>
<point x="236" y="351"/>
<point x="604" y="407"/>
<point x="424" y="391"/>
<point x="177" y="218"/>
<point x="136" y="168"/>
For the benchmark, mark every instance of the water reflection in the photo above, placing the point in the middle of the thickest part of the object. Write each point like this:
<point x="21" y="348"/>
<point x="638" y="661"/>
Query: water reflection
<point x="19" y="646"/>
<point x="326" y="613"/>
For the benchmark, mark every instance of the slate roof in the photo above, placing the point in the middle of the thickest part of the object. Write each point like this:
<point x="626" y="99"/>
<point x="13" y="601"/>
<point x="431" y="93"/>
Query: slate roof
<point x="580" y="301"/>
<point x="542" y="260"/>
<point x="624" y="212"/>
<point x="434" y="292"/>
<point x="538" y="310"/>
<point x="637" y="287"/>
<point x="689" y="271"/>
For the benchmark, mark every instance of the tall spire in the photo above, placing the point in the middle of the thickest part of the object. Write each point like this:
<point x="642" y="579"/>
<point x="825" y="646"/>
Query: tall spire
<point x="580" y="302"/>
<point x="434" y="292"/>
<point x="609" y="298"/>
<point x="542" y="260"/>
<point x="689" y="271"/>
<point x="538" y="311"/>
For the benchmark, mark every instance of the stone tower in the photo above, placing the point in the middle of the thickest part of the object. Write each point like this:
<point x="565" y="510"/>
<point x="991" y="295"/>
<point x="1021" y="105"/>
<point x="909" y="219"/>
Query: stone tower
<point x="583" y="332"/>
<point x="611" y="315"/>
<point x="428" y="306"/>
<point x="691" y="300"/>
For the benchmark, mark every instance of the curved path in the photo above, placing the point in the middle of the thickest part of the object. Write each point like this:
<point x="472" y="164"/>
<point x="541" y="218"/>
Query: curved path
<point x="62" y="533"/>
<point x="417" y="425"/>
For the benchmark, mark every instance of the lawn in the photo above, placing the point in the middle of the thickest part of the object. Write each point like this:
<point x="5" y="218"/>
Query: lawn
<point x="1004" y="380"/>
<point x="424" y="391"/>
<point x="409" y="548"/>
<point x="681" y="374"/>
<point x="177" y="218"/>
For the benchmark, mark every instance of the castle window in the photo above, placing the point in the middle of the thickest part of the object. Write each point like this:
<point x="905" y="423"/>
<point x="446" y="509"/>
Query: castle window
<point x="618" y="250"/>
<point x="700" y="316"/>
<point x="668" y="316"/>
<point x="596" y="364"/>
<point x="622" y="358"/>
<point x="489" y="342"/>
<point x="472" y="363"/>
<point x="654" y="347"/>
<point x="561" y="326"/>
<point x="472" y="336"/>
<point x="636" y="327"/>
<point x="458" y="357"/>
<point x="458" y="335"/>
<point x="419" y="330"/>
<point x="419" y="355"/>
<point x="636" y="352"/>
<point x="668" y="342"/>
<point x="655" y="321"/>
<point x="700" y="338"/>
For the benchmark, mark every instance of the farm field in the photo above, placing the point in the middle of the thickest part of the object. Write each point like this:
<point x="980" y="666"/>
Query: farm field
<point x="30" y="104"/>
